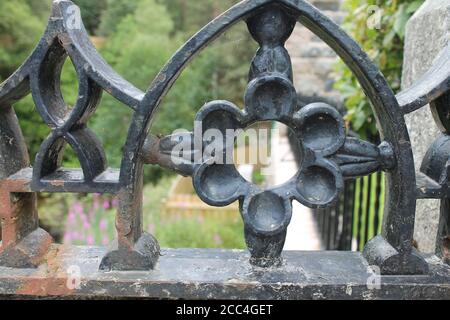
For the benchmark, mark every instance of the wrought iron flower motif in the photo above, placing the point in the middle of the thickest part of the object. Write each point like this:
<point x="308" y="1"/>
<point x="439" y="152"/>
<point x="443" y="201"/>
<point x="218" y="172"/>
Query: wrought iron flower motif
<point x="320" y="132"/>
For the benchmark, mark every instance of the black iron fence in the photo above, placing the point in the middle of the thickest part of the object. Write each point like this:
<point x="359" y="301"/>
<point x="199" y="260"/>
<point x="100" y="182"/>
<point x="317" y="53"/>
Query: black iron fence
<point x="357" y="215"/>
<point x="356" y="218"/>
<point x="332" y="159"/>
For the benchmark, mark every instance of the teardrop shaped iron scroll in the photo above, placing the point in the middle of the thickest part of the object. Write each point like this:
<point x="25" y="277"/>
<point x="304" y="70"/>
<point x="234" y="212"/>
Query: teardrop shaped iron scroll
<point x="66" y="38"/>
<point x="24" y="243"/>
<point x="68" y="125"/>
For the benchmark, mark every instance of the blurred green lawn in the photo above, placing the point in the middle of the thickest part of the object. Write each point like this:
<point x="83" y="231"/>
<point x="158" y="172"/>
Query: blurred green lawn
<point x="198" y="232"/>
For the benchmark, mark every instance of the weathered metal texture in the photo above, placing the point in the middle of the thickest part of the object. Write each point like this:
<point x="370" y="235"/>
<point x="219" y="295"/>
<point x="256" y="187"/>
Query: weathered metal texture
<point x="329" y="156"/>
<point x="222" y="274"/>
<point x="430" y="87"/>
<point x="436" y="171"/>
<point x="23" y="243"/>
<point x="400" y="205"/>
<point x="443" y="237"/>
<point x="40" y="74"/>
<point x="359" y="158"/>
<point x="434" y="176"/>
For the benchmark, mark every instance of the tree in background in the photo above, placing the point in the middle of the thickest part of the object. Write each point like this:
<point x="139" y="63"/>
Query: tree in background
<point x="230" y="55"/>
<point x="91" y="11"/>
<point x="115" y="11"/>
<point x="142" y="43"/>
<point x="40" y="8"/>
<point x="139" y="37"/>
<point x="20" y="29"/>
<point x="384" y="46"/>
<point x="22" y="23"/>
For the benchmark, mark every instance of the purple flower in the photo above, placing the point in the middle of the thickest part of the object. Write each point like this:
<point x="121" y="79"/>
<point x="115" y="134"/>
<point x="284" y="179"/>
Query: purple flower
<point x="77" y="207"/>
<point x="106" y="205"/>
<point x="76" y="235"/>
<point x="90" y="240"/>
<point x="68" y="237"/>
<point x="95" y="205"/>
<point x="71" y="219"/>
<point x="83" y="217"/>
<point x="115" y="203"/>
<point x="91" y="214"/>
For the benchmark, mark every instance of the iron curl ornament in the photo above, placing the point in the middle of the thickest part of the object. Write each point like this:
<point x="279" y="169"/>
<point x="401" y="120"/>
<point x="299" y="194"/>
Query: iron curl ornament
<point x="328" y="155"/>
<point x="319" y="129"/>
<point x="267" y="213"/>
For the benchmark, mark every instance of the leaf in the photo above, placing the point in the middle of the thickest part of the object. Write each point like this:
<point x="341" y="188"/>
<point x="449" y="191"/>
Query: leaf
<point x="387" y="41"/>
<point x="412" y="7"/>
<point x="360" y="120"/>
<point x="401" y="18"/>
<point x="384" y="46"/>
<point x="383" y="59"/>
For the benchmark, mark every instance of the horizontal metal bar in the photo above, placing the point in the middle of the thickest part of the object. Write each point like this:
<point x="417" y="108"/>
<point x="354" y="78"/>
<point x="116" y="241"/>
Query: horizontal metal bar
<point x="222" y="274"/>
<point x="63" y="180"/>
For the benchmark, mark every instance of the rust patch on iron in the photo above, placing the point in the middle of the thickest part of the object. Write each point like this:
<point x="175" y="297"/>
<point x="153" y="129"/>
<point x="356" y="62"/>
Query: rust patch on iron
<point x="45" y="287"/>
<point x="17" y="185"/>
<point x="150" y="150"/>
<point x="51" y="282"/>
<point x="161" y="78"/>
<point x="57" y="183"/>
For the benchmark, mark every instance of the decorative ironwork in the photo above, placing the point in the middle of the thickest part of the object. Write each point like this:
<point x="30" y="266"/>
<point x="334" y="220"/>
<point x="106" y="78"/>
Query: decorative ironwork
<point x="328" y="156"/>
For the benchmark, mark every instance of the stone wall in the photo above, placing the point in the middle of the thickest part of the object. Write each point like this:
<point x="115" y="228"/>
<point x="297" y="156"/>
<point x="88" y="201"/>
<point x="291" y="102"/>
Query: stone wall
<point x="312" y="59"/>
<point x="428" y="32"/>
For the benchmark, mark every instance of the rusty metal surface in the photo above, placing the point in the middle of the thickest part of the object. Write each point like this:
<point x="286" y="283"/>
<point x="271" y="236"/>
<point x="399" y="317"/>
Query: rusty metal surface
<point x="221" y="274"/>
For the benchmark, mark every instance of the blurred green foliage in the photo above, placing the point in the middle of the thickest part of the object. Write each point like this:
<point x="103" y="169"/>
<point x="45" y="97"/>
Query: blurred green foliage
<point x="22" y="23"/>
<point x="20" y="28"/>
<point x="115" y="11"/>
<point x="92" y="11"/>
<point x="137" y="38"/>
<point x="139" y="47"/>
<point x="383" y="42"/>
